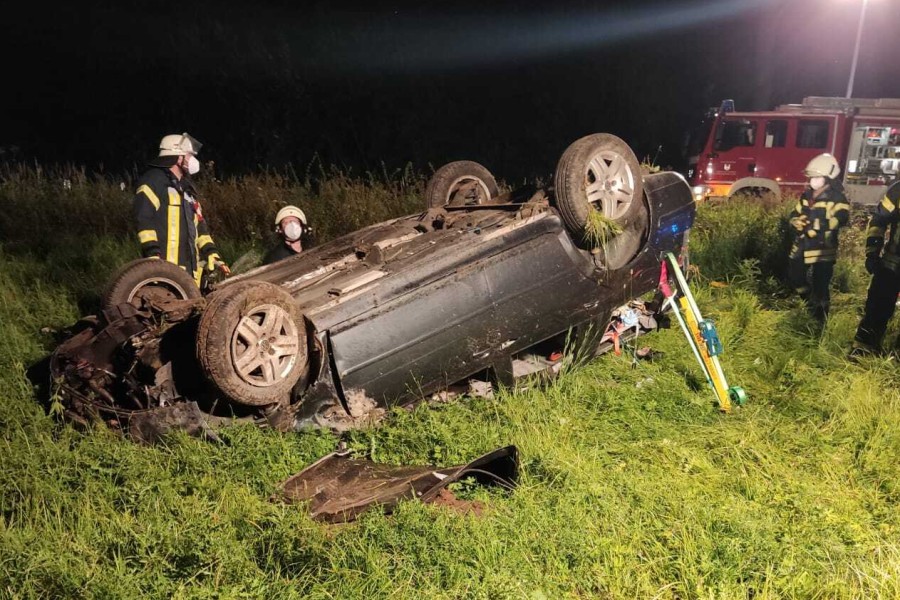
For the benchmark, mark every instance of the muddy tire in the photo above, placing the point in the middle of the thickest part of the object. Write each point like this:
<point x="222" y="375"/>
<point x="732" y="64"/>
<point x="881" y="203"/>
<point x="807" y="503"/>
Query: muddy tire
<point x="251" y="343"/>
<point x="621" y="249"/>
<point x="599" y="172"/>
<point x="460" y="183"/>
<point x="149" y="278"/>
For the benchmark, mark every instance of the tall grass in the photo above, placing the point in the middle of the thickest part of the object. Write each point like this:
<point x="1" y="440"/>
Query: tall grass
<point x="742" y="228"/>
<point x="632" y="486"/>
<point x="45" y="207"/>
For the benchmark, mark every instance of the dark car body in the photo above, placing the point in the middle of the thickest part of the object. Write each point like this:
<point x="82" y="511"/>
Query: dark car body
<point x="407" y="307"/>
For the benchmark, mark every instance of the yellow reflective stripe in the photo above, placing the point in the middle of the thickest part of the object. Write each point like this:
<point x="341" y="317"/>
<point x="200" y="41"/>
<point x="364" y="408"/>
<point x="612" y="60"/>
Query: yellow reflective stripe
<point x="198" y="276"/>
<point x="145" y="189"/>
<point x="174" y="230"/>
<point x="798" y="208"/>
<point x="203" y="240"/>
<point x="888" y="204"/>
<point x="147" y="235"/>
<point x="821" y="205"/>
<point x="173" y="233"/>
<point x="838" y="206"/>
<point x="875" y="231"/>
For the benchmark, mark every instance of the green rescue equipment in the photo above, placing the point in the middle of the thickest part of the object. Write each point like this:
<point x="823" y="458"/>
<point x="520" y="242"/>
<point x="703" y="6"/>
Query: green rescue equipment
<point x="701" y="333"/>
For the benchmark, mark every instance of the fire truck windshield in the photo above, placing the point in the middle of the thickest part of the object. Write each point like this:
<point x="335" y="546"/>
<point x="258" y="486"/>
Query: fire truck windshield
<point x="733" y="133"/>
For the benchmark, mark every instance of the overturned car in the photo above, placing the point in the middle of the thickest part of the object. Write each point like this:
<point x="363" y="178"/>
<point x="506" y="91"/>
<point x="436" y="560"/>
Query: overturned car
<point x="480" y="283"/>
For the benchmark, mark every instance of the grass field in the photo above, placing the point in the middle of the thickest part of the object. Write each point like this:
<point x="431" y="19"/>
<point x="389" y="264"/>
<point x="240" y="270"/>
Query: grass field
<point x="632" y="484"/>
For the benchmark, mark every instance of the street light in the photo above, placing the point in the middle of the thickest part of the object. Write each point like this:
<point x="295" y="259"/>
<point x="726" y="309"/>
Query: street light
<point x="862" y="18"/>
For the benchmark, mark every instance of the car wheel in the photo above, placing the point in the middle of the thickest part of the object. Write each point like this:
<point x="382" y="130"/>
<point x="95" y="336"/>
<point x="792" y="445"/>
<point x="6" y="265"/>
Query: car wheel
<point x="251" y="343"/>
<point x="600" y="173"/>
<point x="460" y="183"/>
<point x="151" y="279"/>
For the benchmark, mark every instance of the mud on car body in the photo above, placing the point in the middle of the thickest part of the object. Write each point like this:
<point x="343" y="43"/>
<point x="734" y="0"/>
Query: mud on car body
<point x="387" y="315"/>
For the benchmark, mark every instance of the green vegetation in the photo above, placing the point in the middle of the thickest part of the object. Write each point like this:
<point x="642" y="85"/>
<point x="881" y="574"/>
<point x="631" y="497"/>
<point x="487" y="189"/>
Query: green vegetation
<point x="600" y="229"/>
<point x="632" y="486"/>
<point x="41" y="206"/>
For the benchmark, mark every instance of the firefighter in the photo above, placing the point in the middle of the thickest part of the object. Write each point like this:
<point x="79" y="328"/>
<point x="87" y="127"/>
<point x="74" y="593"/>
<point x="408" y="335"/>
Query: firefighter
<point x="883" y="263"/>
<point x="818" y="216"/>
<point x="170" y="223"/>
<point x="293" y="231"/>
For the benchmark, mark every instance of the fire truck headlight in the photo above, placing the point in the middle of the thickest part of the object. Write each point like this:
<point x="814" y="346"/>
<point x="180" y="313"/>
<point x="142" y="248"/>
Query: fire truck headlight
<point x="699" y="192"/>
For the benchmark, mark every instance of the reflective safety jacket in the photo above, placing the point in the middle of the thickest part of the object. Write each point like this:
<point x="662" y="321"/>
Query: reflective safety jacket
<point x="170" y="223"/>
<point x="819" y="217"/>
<point x="886" y="215"/>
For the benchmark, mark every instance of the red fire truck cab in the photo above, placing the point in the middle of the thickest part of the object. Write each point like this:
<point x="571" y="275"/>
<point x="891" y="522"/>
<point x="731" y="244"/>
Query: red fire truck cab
<point x="766" y="152"/>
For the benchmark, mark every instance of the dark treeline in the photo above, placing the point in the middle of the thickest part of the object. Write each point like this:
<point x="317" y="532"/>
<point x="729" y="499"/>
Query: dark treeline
<point x="274" y="83"/>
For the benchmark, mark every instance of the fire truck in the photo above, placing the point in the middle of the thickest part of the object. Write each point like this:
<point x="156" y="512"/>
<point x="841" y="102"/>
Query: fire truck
<point x="766" y="152"/>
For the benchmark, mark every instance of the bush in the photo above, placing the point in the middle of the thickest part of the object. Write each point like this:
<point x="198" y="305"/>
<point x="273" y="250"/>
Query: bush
<point x="728" y="233"/>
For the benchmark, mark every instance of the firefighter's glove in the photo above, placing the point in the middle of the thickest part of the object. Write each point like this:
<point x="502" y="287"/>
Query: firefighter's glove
<point x="214" y="263"/>
<point x="873" y="263"/>
<point x="800" y="223"/>
<point x="811" y="233"/>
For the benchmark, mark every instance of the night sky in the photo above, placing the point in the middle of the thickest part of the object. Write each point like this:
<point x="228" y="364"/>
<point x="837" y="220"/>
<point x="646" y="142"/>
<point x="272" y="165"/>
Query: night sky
<point x="508" y="84"/>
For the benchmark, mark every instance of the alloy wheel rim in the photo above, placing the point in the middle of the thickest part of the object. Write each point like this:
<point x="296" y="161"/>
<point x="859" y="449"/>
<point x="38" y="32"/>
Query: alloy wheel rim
<point x="265" y="346"/>
<point x="609" y="183"/>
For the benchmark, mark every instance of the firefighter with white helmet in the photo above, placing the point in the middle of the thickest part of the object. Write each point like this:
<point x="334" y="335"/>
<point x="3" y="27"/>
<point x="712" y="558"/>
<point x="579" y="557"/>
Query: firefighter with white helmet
<point x="169" y="219"/>
<point x="817" y="218"/>
<point x="883" y="263"/>
<point x="294" y="232"/>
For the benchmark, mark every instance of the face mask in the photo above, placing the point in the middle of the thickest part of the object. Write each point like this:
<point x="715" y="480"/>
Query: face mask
<point x="817" y="183"/>
<point x="293" y="231"/>
<point x="193" y="165"/>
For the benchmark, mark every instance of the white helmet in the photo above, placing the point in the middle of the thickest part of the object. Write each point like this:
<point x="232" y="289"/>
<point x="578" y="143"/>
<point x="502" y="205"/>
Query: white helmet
<point x="179" y="145"/>
<point x="289" y="211"/>
<point x="823" y="165"/>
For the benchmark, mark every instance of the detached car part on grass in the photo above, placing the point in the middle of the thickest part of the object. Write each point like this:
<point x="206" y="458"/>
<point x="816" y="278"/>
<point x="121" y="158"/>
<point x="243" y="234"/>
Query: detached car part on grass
<point x="479" y="283"/>
<point x="338" y="488"/>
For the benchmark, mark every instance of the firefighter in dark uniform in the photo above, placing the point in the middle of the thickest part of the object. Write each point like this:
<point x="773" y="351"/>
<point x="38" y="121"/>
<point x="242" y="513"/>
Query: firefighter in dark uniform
<point x="883" y="263"/>
<point x="818" y="216"/>
<point x="170" y="223"/>
<point x="293" y="232"/>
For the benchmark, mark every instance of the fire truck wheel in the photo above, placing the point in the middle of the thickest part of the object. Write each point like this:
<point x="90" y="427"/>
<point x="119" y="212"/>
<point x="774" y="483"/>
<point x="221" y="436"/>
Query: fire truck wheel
<point x="151" y="279"/>
<point x="598" y="173"/>
<point x="251" y="343"/>
<point x="460" y="183"/>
